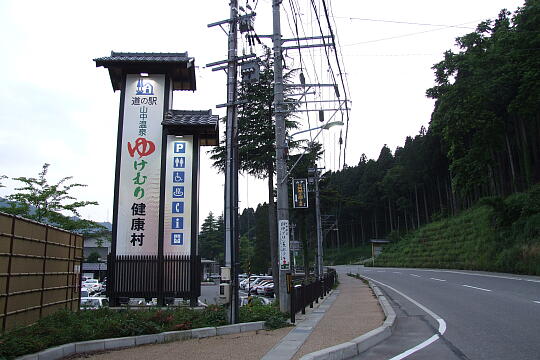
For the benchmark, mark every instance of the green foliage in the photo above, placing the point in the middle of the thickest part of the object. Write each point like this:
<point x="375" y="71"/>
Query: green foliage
<point x="38" y="200"/>
<point x="66" y="326"/>
<point x="256" y="127"/>
<point x="471" y="241"/>
<point x="247" y="250"/>
<point x="482" y="141"/>
<point x="273" y="318"/>
<point x="346" y="255"/>
<point x="212" y="238"/>
<point x="93" y="257"/>
<point x="261" y="251"/>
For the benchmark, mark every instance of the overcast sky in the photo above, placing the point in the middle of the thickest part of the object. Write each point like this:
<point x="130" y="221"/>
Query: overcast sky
<point x="56" y="107"/>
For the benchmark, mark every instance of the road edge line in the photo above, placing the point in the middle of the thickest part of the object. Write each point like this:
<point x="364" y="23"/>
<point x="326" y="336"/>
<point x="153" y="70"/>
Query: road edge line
<point x="439" y="319"/>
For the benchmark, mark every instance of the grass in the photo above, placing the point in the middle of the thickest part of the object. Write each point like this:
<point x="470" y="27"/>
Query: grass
<point x="495" y="235"/>
<point x="65" y="326"/>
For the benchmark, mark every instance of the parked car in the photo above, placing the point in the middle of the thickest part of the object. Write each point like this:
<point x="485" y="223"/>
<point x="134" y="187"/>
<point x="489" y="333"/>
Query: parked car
<point x="93" y="285"/>
<point x="257" y="281"/>
<point x="92" y="303"/>
<point x="255" y="299"/>
<point x="257" y="289"/>
<point x="84" y="292"/>
<point x="268" y="289"/>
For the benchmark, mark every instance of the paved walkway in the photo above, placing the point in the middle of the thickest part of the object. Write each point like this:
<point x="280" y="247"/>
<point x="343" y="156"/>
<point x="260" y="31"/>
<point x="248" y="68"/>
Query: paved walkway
<point x="348" y="312"/>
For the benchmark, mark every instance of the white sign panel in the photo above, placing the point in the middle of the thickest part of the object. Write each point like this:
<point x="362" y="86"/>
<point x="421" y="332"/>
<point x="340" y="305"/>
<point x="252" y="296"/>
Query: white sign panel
<point x="138" y="194"/>
<point x="178" y="190"/>
<point x="284" y="252"/>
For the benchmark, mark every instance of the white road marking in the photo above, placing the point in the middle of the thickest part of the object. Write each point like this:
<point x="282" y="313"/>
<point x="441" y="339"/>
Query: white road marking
<point x="538" y="302"/>
<point x="474" y="287"/>
<point x="483" y="275"/>
<point x="437" y="279"/>
<point x="381" y="271"/>
<point x="415" y="275"/>
<point x="396" y="272"/>
<point x="440" y="320"/>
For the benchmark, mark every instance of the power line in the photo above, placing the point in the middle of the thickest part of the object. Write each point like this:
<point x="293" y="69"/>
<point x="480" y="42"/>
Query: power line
<point x="404" y="35"/>
<point x="405" y="22"/>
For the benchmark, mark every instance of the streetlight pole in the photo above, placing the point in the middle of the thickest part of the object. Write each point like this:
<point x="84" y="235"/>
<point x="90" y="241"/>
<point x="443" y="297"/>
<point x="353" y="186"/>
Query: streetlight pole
<point x="281" y="165"/>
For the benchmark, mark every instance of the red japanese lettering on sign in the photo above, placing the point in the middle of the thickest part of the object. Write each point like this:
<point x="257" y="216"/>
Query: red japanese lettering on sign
<point x="142" y="146"/>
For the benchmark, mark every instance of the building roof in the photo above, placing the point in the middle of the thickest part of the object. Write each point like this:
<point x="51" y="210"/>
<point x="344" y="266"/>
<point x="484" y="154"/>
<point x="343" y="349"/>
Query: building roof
<point x="196" y="122"/>
<point x="379" y="241"/>
<point x="94" y="266"/>
<point x="179" y="66"/>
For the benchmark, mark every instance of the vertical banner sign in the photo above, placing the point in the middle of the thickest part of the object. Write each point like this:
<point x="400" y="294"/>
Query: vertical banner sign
<point x="140" y="161"/>
<point x="284" y="253"/>
<point x="178" y="190"/>
<point x="300" y="194"/>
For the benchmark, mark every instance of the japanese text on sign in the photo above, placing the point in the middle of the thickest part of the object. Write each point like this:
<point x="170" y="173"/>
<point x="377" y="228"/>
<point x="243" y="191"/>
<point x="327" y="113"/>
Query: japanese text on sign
<point x="284" y="252"/>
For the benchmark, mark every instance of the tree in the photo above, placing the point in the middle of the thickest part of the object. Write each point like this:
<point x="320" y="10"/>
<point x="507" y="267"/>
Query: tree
<point x="246" y="253"/>
<point x="261" y="255"/>
<point x="38" y="200"/>
<point x="94" y="257"/>
<point x="211" y="238"/>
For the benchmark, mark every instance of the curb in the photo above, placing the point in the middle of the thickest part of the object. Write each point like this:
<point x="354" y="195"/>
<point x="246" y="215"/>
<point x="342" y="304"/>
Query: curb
<point x="62" y="351"/>
<point x="362" y="343"/>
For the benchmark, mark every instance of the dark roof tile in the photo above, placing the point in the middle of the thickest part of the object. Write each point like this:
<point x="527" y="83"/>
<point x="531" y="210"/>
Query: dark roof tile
<point x="190" y="118"/>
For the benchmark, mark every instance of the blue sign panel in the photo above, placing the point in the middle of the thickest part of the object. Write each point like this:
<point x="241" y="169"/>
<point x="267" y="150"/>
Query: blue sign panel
<point x="179" y="147"/>
<point x="177" y="223"/>
<point x="179" y="162"/>
<point x="178" y="192"/>
<point x="177" y="239"/>
<point x="178" y="207"/>
<point x="178" y="176"/>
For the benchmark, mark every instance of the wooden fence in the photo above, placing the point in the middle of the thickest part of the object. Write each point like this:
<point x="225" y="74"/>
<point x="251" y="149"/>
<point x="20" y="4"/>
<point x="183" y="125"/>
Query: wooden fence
<point x="39" y="270"/>
<point x="153" y="276"/>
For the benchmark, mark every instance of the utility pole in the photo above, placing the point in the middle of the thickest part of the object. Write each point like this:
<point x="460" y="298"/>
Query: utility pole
<point x="281" y="164"/>
<point x="232" y="243"/>
<point x="320" y="271"/>
<point x="231" y="166"/>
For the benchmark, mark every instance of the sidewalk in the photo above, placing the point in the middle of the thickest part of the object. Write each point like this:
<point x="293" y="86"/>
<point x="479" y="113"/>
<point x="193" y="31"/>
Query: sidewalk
<point x="346" y="313"/>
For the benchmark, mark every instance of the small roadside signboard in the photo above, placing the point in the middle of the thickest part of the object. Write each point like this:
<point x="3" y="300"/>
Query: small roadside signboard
<point x="300" y="194"/>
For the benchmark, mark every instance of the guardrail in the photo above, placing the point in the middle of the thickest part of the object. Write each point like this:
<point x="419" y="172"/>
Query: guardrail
<point x="306" y="294"/>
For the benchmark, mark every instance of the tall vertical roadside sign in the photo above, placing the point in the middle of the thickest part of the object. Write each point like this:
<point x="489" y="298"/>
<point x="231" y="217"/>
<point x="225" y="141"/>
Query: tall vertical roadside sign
<point x="178" y="195"/>
<point x="284" y="252"/>
<point x="140" y="161"/>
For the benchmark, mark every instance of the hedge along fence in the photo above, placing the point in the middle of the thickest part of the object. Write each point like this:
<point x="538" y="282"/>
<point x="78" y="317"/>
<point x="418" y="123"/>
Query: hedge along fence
<point x="39" y="270"/>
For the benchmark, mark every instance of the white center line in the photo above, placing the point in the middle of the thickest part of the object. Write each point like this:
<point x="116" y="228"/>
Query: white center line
<point x="415" y="275"/>
<point x="474" y="287"/>
<point x="396" y="272"/>
<point x="538" y="302"/>
<point x="437" y="279"/>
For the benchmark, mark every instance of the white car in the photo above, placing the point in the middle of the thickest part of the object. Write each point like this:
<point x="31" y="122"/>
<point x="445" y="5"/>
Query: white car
<point x="93" y="285"/>
<point x="92" y="303"/>
<point x="256" y="281"/>
<point x="258" y="287"/>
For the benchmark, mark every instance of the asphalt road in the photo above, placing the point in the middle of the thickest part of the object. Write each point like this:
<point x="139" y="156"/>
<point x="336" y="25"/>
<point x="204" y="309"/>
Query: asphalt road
<point x="452" y="314"/>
